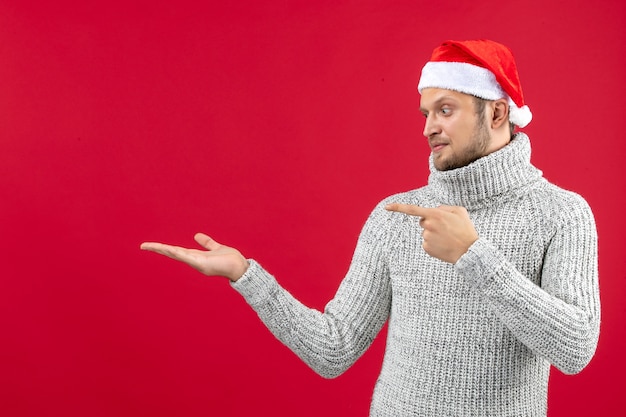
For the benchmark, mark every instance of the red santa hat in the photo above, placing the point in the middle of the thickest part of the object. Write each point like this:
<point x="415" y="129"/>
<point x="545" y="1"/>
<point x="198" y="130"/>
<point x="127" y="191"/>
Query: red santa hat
<point x="481" y="68"/>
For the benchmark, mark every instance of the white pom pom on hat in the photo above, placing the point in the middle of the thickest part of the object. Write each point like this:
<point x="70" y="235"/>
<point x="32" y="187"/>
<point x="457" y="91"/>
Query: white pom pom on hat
<point x="481" y="68"/>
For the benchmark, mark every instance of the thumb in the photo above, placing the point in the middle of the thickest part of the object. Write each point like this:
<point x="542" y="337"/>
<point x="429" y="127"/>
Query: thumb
<point x="206" y="241"/>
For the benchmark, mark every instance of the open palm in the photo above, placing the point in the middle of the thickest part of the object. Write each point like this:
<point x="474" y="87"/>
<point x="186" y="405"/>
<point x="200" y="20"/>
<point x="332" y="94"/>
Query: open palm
<point x="216" y="260"/>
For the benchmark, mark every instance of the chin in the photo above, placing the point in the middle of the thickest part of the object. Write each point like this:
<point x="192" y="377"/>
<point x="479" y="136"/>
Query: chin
<point x="444" y="165"/>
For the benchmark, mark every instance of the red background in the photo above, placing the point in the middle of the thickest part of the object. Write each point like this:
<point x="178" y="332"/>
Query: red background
<point x="275" y="127"/>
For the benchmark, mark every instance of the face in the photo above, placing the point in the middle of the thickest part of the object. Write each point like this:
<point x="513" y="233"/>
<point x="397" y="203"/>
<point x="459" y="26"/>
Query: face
<point x="457" y="135"/>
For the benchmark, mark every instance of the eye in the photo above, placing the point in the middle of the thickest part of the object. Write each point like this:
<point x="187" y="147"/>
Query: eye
<point x="446" y="111"/>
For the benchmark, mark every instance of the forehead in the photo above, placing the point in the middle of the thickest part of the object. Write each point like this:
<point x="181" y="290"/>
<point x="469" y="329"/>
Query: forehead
<point x="435" y="96"/>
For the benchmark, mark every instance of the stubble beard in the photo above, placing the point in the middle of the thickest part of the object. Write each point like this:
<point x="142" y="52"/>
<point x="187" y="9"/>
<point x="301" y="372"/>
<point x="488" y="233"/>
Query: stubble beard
<point x="476" y="149"/>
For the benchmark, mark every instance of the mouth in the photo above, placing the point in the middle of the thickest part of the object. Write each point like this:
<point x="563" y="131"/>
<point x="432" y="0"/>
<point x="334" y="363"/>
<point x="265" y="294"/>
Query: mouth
<point x="437" y="146"/>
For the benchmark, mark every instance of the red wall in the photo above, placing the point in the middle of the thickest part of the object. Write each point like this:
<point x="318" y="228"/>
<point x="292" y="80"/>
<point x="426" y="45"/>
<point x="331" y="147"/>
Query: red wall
<point x="275" y="128"/>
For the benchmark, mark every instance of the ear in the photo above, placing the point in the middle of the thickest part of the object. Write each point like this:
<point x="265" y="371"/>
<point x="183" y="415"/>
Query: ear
<point x="500" y="113"/>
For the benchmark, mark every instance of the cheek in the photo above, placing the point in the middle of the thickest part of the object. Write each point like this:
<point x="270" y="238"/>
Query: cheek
<point x="461" y="129"/>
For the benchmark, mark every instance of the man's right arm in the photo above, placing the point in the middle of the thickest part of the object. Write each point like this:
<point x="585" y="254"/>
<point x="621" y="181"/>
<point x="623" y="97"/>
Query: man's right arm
<point x="332" y="340"/>
<point x="329" y="341"/>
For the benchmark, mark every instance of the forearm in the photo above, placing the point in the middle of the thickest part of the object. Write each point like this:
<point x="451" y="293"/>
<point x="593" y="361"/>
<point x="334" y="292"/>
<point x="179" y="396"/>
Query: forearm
<point x="563" y="328"/>
<point x="328" y="342"/>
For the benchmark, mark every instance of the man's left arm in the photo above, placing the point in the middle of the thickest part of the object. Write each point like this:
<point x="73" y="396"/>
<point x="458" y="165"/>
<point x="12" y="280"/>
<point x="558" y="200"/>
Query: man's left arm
<point x="559" y="320"/>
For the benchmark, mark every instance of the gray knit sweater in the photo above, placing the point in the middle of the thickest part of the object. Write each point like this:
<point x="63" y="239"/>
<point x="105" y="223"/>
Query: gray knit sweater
<point x="476" y="338"/>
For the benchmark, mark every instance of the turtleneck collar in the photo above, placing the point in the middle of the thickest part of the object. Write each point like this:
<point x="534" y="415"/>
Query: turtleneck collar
<point x="488" y="178"/>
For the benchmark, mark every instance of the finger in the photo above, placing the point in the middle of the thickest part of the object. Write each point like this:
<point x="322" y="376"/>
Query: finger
<point x="174" y="252"/>
<point x="206" y="241"/>
<point x="409" y="209"/>
<point x="452" y="209"/>
<point x="151" y="246"/>
<point x="449" y="209"/>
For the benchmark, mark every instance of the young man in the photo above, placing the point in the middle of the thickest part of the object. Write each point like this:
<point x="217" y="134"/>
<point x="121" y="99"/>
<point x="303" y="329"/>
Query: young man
<point x="487" y="275"/>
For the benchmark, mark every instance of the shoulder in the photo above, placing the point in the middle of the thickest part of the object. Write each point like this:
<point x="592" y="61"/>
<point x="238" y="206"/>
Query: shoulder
<point x="561" y="206"/>
<point x="385" y="220"/>
<point x="418" y="196"/>
<point x="389" y="220"/>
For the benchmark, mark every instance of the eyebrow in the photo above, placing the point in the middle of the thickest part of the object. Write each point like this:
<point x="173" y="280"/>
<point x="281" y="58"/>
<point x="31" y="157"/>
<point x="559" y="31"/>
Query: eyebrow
<point x="437" y="102"/>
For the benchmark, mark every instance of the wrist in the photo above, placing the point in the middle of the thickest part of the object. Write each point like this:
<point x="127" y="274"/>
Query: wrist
<point x="240" y="269"/>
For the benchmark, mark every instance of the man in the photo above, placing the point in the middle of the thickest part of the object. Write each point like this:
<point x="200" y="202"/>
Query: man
<point x="487" y="275"/>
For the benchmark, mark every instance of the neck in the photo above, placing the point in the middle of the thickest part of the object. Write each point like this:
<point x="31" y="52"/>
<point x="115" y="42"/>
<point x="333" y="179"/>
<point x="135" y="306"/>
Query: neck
<point x="499" y="139"/>
<point x="490" y="177"/>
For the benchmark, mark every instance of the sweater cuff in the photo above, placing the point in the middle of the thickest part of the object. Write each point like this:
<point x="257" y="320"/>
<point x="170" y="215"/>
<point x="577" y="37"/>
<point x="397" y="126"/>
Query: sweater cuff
<point x="480" y="264"/>
<point x="255" y="285"/>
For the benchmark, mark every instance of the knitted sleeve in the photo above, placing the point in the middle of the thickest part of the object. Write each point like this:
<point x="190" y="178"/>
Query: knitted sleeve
<point x="560" y="319"/>
<point x="332" y="340"/>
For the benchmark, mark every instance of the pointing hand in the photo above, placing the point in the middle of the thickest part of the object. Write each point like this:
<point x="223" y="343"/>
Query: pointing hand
<point x="448" y="231"/>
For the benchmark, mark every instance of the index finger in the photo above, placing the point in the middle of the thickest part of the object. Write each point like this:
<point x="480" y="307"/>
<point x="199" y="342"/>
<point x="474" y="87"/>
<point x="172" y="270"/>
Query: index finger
<point x="409" y="209"/>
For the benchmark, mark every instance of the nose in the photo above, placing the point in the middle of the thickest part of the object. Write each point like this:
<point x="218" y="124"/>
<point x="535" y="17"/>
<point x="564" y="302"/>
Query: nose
<point x="431" y="127"/>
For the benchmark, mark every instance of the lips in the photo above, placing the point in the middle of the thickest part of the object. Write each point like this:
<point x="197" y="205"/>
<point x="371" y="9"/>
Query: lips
<point x="437" y="146"/>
